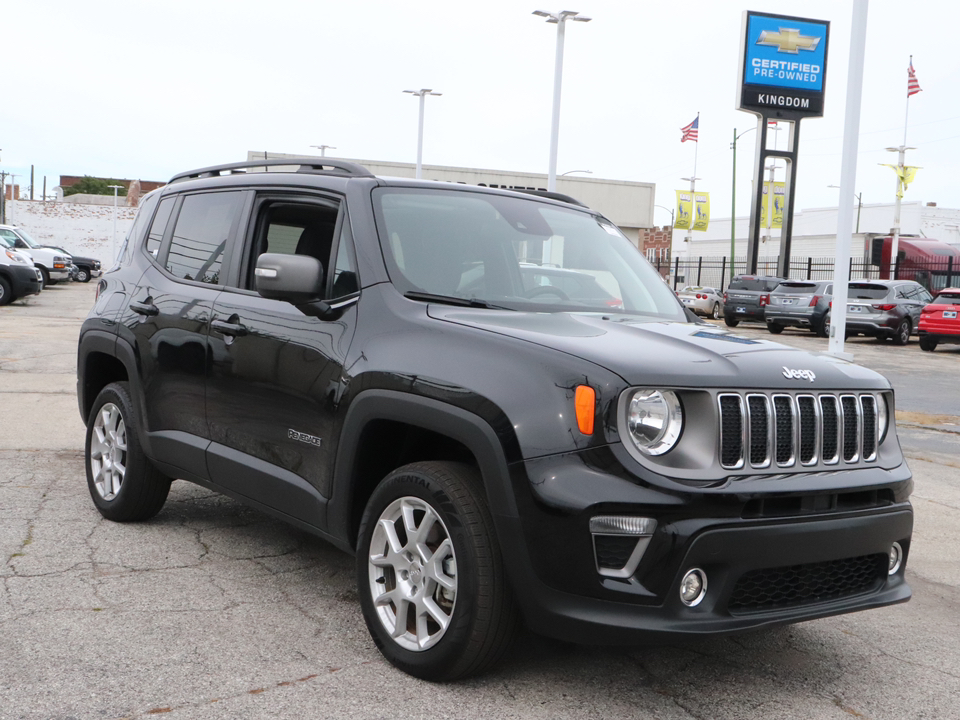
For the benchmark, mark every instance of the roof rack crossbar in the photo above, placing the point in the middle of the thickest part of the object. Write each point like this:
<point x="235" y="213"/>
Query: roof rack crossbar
<point x="319" y="166"/>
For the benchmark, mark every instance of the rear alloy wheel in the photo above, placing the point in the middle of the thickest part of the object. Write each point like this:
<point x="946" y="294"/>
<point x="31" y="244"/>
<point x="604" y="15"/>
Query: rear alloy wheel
<point x="430" y="575"/>
<point x="928" y="343"/>
<point x="775" y="328"/>
<point x="123" y="483"/>
<point x="716" y="311"/>
<point x="902" y="336"/>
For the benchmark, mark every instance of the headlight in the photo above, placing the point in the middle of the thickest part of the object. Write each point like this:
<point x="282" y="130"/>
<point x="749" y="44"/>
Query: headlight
<point x="16" y="257"/>
<point x="881" y="416"/>
<point x="654" y="420"/>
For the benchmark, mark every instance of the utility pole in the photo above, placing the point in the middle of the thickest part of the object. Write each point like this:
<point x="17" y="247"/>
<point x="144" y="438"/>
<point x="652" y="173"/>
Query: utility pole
<point x="3" y="197"/>
<point x="895" y="245"/>
<point x="31" y="182"/>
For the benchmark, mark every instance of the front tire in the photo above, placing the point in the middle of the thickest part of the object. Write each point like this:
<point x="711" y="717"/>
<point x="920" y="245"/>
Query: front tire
<point x="430" y="575"/>
<point x="6" y="293"/>
<point x="124" y="484"/>
<point x="83" y="275"/>
<point x="44" y="277"/>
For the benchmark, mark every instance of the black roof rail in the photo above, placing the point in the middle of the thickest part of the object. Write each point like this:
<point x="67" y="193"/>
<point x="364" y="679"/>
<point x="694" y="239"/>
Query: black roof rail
<point x="551" y="195"/>
<point x="318" y="166"/>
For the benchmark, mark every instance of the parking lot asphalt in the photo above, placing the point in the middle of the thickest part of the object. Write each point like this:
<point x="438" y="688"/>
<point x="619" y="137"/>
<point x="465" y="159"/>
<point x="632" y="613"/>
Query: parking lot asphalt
<point x="213" y="610"/>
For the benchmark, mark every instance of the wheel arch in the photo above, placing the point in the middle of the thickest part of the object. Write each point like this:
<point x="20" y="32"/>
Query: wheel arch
<point x="417" y="429"/>
<point x="101" y="361"/>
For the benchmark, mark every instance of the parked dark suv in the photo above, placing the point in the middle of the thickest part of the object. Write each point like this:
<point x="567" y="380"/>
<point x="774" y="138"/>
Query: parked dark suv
<point x="303" y="340"/>
<point x="746" y="298"/>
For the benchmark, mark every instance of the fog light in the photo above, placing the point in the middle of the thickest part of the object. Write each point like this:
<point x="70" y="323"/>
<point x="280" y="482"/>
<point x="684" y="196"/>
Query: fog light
<point x="894" y="558"/>
<point x="693" y="587"/>
<point x="619" y="542"/>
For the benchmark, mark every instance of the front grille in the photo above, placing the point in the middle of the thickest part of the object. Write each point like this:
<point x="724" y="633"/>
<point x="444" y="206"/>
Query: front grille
<point x="796" y="585"/>
<point x="786" y="430"/>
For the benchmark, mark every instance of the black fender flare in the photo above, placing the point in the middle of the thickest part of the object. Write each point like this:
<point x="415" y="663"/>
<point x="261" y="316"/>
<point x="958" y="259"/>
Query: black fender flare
<point x="456" y="423"/>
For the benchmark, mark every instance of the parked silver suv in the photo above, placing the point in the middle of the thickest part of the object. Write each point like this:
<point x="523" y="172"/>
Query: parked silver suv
<point x="884" y="308"/>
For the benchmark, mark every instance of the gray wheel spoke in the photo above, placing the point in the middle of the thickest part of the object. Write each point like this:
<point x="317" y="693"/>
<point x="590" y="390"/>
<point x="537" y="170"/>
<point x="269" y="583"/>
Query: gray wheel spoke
<point x="108" y="451"/>
<point x="431" y="608"/>
<point x="400" y="623"/>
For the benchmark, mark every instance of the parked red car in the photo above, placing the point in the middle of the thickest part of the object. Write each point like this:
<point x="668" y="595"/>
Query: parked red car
<point x="939" y="322"/>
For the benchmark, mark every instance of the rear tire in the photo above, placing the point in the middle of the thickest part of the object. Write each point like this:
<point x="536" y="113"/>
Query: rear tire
<point x="928" y="343"/>
<point x="774" y="328"/>
<point x="902" y="336"/>
<point x="430" y="574"/>
<point x="716" y="311"/>
<point x="823" y="329"/>
<point x="6" y="293"/>
<point x="730" y="321"/>
<point x="124" y="484"/>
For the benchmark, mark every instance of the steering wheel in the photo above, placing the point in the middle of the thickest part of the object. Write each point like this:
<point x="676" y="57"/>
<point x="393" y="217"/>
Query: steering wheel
<point x="546" y="290"/>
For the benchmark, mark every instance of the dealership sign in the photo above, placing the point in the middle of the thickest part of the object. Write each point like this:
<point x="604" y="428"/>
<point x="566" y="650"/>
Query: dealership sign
<point x="783" y="64"/>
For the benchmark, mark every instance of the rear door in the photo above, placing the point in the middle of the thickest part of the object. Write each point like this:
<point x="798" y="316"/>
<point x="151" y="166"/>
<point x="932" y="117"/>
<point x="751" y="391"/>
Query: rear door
<point x="276" y="377"/>
<point x="168" y="316"/>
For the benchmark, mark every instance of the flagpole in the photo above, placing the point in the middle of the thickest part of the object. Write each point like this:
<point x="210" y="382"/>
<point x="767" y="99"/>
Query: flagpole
<point x="693" y="188"/>
<point x="902" y="150"/>
<point x="907" y="113"/>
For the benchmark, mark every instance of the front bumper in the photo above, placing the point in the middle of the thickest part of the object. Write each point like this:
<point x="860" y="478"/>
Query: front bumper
<point x="58" y="274"/>
<point x="25" y="280"/>
<point x="752" y="564"/>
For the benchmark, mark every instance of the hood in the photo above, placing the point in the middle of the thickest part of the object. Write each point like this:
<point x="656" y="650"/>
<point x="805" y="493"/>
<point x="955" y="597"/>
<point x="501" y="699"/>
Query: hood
<point x="645" y="352"/>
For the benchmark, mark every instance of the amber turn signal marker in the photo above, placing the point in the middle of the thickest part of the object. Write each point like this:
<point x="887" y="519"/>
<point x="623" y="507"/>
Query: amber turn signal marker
<point x="586" y="400"/>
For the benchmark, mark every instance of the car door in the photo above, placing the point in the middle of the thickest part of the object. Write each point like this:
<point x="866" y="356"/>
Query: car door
<point x="167" y="320"/>
<point x="276" y="377"/>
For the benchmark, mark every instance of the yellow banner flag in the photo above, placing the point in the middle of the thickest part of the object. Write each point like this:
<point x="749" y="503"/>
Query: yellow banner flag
<point x="702" y="218"/>
<point x="779" y="201"/>
<point x="684" y="210"/>
<point x="906" y="174"/>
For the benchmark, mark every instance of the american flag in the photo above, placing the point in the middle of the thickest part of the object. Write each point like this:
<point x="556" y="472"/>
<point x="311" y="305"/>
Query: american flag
<point x="690" y="131"/>
<point x="913" y="87"/>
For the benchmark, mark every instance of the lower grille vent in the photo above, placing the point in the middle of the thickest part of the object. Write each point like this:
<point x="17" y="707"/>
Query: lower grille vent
<point x="797" y="585"/>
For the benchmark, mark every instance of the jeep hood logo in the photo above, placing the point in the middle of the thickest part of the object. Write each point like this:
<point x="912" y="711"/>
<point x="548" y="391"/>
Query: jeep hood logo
<point x="799" y="374"/>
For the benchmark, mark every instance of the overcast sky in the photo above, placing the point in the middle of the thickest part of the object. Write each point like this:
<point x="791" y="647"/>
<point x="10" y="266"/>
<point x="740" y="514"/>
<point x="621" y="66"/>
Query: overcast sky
<point x="145" y="90"/>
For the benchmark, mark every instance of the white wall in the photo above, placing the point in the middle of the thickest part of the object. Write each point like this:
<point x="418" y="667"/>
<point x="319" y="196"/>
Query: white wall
<point x="85" y="230"/>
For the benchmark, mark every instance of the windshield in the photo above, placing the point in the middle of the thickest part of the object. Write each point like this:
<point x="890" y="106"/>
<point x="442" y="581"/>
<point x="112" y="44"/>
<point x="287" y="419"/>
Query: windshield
<point x="27" y="239"/>
<point x="515" y="253"/>
<point x="6" y="242"/>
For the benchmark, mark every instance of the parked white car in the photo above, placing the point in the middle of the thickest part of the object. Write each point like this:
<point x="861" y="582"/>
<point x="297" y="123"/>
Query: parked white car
<point x="18" y="275"/>
<point x="54" y="265"/>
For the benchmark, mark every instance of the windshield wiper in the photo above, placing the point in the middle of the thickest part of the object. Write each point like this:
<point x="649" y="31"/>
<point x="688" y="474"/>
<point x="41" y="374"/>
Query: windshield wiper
<point x="453" y="300"/>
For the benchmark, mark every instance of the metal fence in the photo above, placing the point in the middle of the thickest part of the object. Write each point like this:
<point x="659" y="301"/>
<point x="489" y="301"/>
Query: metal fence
<point x="715" y="271"/>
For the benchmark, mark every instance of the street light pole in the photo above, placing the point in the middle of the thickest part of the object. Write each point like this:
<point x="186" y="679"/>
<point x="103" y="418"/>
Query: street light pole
<point x="323" y="149"/>
<point x="560" y="20"/>
<point x="859" y="197"/>
<point x="895" y="245"/>
<point x="422" y="94"/>
<point x="113" y="243"/>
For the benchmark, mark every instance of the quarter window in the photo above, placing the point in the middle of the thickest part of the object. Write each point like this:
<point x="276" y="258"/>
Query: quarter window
<point x="159" y="225"/>
<point x="204" y="225"/>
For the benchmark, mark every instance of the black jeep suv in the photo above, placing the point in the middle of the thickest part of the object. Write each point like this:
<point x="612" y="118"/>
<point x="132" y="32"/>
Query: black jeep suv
<point x="367" y="359"/>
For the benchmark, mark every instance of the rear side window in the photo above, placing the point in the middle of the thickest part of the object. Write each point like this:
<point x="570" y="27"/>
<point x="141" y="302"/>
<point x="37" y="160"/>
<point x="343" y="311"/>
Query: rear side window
<point x="204" y="225"/>
<point x="867" y="291"/>
<point x="159" y="226"/>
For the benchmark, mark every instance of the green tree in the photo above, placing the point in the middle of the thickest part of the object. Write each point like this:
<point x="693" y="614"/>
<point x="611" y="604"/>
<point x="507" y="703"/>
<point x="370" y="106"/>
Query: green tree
<point x="95" y="186"/>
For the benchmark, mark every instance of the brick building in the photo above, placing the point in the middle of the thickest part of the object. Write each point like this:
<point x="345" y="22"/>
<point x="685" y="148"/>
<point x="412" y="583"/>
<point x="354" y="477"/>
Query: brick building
<point x="655" y="245"/>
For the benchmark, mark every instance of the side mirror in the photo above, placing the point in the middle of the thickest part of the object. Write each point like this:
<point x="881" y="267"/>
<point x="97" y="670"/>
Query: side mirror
<point x="294" y="278"/>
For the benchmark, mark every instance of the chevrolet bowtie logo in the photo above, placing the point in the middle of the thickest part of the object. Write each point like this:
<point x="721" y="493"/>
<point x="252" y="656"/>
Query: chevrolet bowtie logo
<point x="788" y="40"/>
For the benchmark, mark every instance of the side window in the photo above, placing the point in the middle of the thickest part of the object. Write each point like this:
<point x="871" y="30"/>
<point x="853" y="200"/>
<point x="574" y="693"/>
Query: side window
<point x="159" y="226"/>
<point x="140" y="222"/>
<point x="345" y="279"/>
<point x="906" y="292"/>
<point x="293" y="228"/>
<point x="925" y="297"/>
<point x="829" y="290"/>
<point x="204" y="224"/>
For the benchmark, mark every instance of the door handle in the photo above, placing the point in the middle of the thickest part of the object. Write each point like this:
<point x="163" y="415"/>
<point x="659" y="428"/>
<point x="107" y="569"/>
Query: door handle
<point x="145" y="308"/>
<point x="228" y="328"/>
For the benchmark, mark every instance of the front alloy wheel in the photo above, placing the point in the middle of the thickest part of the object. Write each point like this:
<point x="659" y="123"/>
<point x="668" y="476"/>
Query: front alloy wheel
<point x="432" y="584"/>
<point x="413" y="573"/>
<point x="108" y="451"/>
